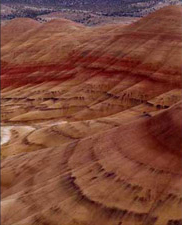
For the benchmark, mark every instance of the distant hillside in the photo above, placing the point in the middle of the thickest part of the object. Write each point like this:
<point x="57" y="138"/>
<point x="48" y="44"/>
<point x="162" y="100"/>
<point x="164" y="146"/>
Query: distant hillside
<point x="108" y="7"/>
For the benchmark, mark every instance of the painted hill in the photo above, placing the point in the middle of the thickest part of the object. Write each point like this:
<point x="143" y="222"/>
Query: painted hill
<point x="39" y="43"/>
<point x="92" y="123"/>
<point x="15" y="28"/>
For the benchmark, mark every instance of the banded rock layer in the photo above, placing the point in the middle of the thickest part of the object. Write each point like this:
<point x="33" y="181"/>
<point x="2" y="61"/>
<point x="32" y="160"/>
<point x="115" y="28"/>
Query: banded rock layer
<point x="96" y="116"/>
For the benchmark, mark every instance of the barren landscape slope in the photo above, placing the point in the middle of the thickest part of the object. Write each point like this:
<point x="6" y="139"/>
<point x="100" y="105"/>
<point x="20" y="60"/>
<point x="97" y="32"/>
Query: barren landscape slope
<point x="91" y="120"/>
<point x="15" y="28"/>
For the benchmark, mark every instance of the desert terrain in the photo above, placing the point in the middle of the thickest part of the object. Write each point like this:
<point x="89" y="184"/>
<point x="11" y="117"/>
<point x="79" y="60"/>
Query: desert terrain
<point x="91" y="126"/>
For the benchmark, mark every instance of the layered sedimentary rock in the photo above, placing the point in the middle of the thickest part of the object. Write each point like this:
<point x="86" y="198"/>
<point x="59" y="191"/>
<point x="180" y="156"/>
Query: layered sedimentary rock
<point x="94" y="120"/>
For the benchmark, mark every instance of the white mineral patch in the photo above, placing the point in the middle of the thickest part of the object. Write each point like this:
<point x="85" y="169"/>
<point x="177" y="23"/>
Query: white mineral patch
<point x="6" y="132"/>
<point x="58" y="123"/>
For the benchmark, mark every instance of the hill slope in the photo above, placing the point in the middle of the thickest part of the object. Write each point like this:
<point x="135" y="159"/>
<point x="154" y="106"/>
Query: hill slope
<point x="16" y="28"/>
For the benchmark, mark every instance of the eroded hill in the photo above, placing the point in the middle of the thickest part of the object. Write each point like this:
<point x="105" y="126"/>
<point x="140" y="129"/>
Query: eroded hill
<point x="92" y="122"/>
